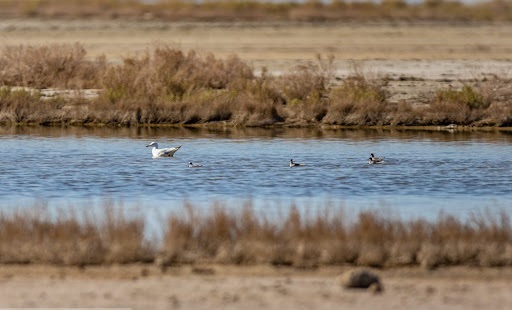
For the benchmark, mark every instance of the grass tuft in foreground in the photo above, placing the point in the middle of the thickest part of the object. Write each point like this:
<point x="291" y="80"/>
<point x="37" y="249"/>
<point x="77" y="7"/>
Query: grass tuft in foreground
<point x="245" y="236"/>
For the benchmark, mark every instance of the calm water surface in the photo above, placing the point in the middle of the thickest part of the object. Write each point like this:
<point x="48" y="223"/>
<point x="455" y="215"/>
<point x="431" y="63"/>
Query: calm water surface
<point x="424" y="172"/>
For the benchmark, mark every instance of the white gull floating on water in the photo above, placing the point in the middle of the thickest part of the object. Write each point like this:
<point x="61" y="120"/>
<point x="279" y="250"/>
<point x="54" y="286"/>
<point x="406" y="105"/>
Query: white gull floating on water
<point x="163" y="152"/>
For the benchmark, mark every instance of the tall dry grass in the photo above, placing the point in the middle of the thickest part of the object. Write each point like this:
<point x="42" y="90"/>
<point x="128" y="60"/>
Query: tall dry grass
<point x="327" y="237"/>
<point x="233" y="10"/>
<point x="165" y="85"/>
<point x="68" y="238"/>
<point x="243" y="235"/>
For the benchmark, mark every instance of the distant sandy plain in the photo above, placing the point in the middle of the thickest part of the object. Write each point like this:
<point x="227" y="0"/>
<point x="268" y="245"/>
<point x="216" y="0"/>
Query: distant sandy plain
<point x="418" y="57"/>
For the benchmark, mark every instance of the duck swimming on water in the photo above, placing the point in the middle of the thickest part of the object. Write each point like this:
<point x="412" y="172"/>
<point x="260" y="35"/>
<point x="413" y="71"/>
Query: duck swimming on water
<point x="292" y="164"/>
<point x="375" y="160"/>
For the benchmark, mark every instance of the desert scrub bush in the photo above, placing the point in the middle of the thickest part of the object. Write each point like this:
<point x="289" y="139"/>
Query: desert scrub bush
<point x="54" y="65"/>
<point x="497" y="91"/>
<point x="169" y="86"/>
<point x="307" y="82"/>
<point x="467" y="96"/>
<point x="170" y="73"/>
<point x="18" y="105"/>
<point x="359" y="100"/>
<point x="463" y="107"/>
<point x="303" y="90"/>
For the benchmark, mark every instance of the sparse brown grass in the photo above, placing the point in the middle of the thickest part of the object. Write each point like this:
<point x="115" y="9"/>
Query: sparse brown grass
<point x="225" y="235"/>
<point x="168" y="86"/>
<point x="39" y="236"/>
<point x="231" y="10"/>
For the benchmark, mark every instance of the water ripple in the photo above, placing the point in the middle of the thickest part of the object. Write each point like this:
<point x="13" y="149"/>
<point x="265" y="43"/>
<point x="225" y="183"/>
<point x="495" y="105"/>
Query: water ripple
<point x="418" y="172"/>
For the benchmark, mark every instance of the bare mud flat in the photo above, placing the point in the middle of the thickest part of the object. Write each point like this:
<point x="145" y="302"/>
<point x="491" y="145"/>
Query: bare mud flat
<point x="249" y="287"/>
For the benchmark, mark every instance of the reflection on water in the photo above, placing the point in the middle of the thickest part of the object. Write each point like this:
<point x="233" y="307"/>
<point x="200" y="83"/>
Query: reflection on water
<point x="435" y="133"/>
<point x="424" y="171"/>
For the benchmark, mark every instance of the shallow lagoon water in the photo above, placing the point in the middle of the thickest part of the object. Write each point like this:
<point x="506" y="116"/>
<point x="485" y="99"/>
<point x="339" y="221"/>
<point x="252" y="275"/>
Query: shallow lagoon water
<point x="425" y="172"/>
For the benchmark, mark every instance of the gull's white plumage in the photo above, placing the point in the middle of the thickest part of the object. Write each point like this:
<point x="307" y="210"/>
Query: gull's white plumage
<point x="163" y="152"/>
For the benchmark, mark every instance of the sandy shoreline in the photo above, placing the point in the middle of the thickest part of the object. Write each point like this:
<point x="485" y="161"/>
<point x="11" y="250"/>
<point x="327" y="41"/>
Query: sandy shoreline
<point x="250" y="287"/>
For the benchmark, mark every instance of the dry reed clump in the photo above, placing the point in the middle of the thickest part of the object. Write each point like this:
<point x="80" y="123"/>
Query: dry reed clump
<point x="243" y="236"/>
<point x="306" y="241"/>
<point x="70" y="239"/>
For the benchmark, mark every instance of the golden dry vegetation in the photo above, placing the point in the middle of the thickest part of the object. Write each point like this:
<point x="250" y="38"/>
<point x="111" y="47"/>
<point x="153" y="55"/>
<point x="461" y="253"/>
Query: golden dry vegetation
<point x="169" y="86"/>
<point x="246" y="237"/>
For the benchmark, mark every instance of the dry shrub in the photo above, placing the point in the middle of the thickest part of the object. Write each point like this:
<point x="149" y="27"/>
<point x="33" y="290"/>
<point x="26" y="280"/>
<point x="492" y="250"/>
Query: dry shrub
<point x="464" y="107"/>
<point x="170" y="73"/>
<point x="359" y="100"/>
<point x="497" y="91"/>
<point x="25" y="106"/>
<point x="54" y="65"/>
<point x="167" y="86"/>
<point x="405" y="114"/>
<point x="304" y="90"/>
<point x="308" y="81"/>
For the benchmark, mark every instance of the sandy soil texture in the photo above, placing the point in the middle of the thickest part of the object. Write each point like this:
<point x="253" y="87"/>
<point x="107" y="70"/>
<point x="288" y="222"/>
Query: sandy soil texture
<point x="253" y="287"/>
<point x="278" y="45"/>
